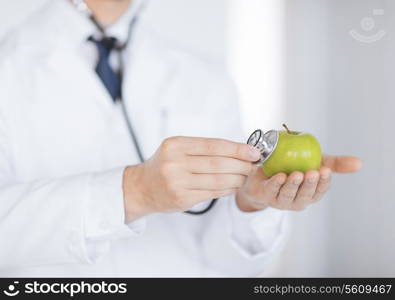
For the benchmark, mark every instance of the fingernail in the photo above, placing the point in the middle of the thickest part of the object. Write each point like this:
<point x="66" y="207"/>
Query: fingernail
<point x="311" y="180"/>
<point x="277" y="182"/>
<point x="297" y="179"/>
<point x="326" y="176"/>
<point x="254" y="154"/>
<point x="297" y="182"/>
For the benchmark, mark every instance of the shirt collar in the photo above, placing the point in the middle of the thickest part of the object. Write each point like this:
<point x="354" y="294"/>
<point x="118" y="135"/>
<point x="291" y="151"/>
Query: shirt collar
<point x="120" y="29"/>
<point x="80" y="27"/>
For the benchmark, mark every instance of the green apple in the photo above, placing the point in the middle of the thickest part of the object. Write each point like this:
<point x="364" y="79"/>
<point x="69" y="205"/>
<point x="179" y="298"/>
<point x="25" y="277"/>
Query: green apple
<point x="295" y="151"/>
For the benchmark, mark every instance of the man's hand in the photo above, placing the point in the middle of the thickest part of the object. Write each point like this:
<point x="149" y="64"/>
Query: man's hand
<point x="293" y="192"/>
<point x="185" y="171"/>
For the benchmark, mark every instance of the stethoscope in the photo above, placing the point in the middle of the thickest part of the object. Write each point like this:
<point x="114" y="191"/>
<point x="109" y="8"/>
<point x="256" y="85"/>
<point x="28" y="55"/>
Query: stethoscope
<point x="82" y="7"/>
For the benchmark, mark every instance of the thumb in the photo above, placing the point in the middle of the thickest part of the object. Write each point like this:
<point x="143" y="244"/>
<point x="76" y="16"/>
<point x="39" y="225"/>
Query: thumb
<point x="342" y="164"/>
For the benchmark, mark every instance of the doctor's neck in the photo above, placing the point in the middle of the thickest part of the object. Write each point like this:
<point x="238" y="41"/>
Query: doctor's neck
<point x="108" y="12"/>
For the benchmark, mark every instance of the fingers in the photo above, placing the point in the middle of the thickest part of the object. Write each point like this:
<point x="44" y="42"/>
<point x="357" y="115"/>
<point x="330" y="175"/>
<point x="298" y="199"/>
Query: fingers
<point x="342" y="164"/>
<point x="323" y="184"/>
<point x="294" y="192"/>
<point x="271" y="188"/>
<point x="307" y="190"/>
<point x="215" y="181"/>
<point x="217" y="147"/>
<point x="217" y="165"/>
<point x="289" y="190"/>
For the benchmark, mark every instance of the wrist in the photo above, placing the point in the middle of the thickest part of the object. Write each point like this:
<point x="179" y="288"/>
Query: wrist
<point x="247" y="204"/>
<point x="133" y="194"/>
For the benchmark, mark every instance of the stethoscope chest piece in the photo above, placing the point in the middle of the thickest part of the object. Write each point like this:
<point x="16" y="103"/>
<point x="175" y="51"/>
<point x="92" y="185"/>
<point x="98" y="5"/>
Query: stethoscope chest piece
<point x="266" y="143"/>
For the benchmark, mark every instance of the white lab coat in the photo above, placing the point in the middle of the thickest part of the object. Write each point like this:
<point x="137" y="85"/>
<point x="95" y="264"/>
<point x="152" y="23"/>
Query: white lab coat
<point x="64" y="146"/>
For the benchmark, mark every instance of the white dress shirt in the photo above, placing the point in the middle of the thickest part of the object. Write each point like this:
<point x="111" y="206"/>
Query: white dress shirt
<point x="64" y="145"/>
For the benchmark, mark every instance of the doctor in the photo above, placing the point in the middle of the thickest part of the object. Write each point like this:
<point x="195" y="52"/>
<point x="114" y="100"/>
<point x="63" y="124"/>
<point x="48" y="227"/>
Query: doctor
<point x="75" y="200"/>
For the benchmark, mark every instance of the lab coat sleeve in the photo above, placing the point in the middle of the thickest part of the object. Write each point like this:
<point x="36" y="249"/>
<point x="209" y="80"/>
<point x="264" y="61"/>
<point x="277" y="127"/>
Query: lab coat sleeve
<point x="64" y="220"/>
<point x="255" y="233"/>
<point x="47" y="221"/>
<point x="236" y="243"/>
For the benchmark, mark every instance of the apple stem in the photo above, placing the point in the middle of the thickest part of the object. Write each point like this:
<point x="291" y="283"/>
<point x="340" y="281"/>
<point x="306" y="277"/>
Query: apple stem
<point x="286" y="127"/>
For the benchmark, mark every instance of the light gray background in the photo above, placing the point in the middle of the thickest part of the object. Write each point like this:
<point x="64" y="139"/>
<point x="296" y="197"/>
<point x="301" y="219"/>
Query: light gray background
<point x="335" y="87"/>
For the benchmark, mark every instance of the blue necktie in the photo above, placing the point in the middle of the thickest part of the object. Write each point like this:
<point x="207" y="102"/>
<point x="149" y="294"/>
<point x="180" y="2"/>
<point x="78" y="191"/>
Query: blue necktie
<point x="111" y="79"/>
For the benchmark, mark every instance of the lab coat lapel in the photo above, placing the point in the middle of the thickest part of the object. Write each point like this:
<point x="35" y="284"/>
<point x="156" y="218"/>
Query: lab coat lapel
<point x="81" y="77"/>
<point x="148" y="74"/>
<point x="147" y="78"/>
